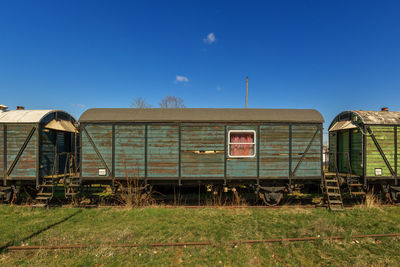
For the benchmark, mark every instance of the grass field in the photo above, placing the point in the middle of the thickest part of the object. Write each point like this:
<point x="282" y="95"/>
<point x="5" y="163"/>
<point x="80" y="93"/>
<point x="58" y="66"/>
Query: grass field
<point x="59" y="226"/>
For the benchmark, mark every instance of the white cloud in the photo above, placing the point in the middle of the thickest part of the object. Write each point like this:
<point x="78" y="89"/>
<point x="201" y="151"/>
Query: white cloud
<point x="210" y="38"/>
<point x="180" y="78"/>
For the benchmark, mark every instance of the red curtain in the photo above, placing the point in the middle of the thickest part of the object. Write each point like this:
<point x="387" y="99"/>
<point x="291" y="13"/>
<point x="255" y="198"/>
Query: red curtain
<point x="242" y="144"/>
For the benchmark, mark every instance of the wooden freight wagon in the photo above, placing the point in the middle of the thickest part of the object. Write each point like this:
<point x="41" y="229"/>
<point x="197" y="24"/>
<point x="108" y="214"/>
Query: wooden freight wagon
<point x="35" y="146"/>
<point x="364" y="148"/>
<point x="270" y="149"/>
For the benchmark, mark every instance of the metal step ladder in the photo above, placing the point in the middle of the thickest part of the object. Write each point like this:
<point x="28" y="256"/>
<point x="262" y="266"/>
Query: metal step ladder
<point x="332" y="192"/>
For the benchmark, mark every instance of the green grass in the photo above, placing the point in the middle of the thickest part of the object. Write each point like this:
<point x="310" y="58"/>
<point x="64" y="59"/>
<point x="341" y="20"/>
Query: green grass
<point x="156" y="224"/>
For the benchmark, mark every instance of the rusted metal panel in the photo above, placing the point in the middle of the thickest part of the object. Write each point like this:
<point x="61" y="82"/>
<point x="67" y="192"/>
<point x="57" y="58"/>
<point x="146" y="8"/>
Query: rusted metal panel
<point x="101" y="135"/>
<point x="196" y="144"/>
<point x="246" y="166"/>
<point x="163" y="151"/>
<point x="303" y="137"/>
<point x="26" y="165"/>
<point x="274" y="150"/>
<point x="129" y="150"/>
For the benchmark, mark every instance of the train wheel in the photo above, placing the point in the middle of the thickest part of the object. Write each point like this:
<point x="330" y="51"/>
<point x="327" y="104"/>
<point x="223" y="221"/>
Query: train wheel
<point x="271" y="198"/>
<point x="395" y="196"/>
<point x="6" y="194"/>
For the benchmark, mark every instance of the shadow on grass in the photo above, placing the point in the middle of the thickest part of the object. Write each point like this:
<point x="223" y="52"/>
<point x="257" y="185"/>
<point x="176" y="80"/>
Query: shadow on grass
<point x="3" y="248"/>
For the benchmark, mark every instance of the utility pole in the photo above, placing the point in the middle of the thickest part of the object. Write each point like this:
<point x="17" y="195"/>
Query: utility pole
<point x="247" y="89"/>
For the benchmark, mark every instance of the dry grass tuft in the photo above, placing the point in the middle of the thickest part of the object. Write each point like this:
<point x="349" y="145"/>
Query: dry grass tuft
<point x="133" y="193"/>
<point x="371" y="200"/>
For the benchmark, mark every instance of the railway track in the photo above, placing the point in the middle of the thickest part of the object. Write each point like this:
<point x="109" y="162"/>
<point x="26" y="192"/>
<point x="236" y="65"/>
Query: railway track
<point x="205" y="243"/>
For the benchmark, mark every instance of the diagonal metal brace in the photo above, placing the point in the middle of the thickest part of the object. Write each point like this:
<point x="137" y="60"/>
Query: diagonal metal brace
<point x="21" y="150"/>
<point x="380" y="151"/>
<point x="305" y="152"/>
<point x="96" y="150"/>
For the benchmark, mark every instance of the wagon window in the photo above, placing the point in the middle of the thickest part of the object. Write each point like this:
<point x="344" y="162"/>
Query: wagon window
<point x="242" y="143"/>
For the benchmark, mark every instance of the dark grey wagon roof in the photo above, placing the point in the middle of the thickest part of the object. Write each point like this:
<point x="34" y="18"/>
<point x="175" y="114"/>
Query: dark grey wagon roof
<point x="200" y="115"/>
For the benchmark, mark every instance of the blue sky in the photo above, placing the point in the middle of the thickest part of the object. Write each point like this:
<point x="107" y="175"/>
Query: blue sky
<point x="74" y="55"/>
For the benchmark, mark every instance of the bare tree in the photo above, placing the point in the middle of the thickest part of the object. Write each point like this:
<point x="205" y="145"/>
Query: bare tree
<point x="139" y="102"/>
<point x="172" y="102"/>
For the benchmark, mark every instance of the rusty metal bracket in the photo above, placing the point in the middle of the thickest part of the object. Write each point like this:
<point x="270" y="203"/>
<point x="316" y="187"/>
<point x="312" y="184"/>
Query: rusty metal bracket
<point x="380" y="150"/>
<point x="305" y="152"/>
<point x="21" y="150"/>
<point x="96" y="150"/>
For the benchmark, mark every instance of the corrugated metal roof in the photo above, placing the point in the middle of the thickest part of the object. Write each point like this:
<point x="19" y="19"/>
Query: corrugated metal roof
<point x="23" y="116"/>
<point x="378" y="117"/>
<point x="200" y="115"/>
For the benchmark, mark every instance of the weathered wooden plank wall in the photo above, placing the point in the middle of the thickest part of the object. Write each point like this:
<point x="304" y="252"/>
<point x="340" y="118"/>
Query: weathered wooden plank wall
<point x="202" y="148"/>
<point x="385" y="137"/>
<point x="398" y="150"/>
<point x="242" y="167"/>
<point x="332" y="151"/>
<point x="204" y="137"/>
<point x="129" y="150"/>
<point x="101" y="134"/>
<point x="163" y="151"/>
<point x="47" y="152"/>
<point x="274" y="151"/>
<point x="356" y="152"/>
<point x="301" y="138"/>
<point x="1" y="152"/>
<point x="343" y="151"/>
<point x="16" y="136"/>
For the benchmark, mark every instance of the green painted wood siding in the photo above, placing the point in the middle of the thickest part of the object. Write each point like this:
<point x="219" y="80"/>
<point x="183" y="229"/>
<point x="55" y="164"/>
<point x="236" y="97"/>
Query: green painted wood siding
<point x="356" y="153"/>
<point x="163" y="151"/>
<point x="1" y="152"/>
<point x="385" y="138"/>
<point x="16" y="136"/>
<point x="47" y="152"/>
<point x="129" y="150"/>
<point x="204" y="137"/>
<point x="241" y="167"/>
<point x="274" y="150"/>
<point x="301" y="137"/>
<point x="343" y="151"/>
<point x="101" y="135"/>
<point x="332" y="151"/>
<point x="398" y="151"/>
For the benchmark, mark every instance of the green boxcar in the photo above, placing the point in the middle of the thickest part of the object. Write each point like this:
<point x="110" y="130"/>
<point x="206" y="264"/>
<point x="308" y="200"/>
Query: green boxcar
<point x="365" y="144"/>
<point x="265" y="147"/>
<point x="29" y="143"/>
